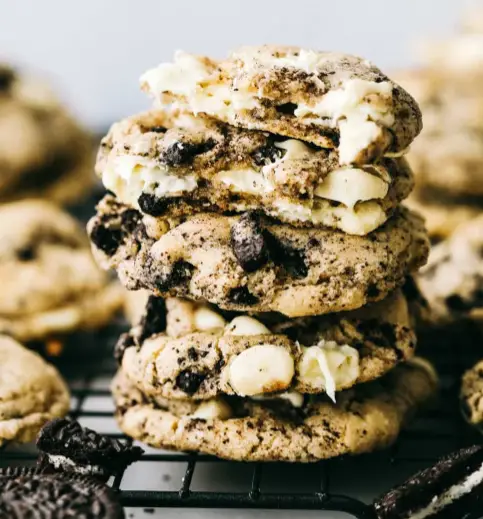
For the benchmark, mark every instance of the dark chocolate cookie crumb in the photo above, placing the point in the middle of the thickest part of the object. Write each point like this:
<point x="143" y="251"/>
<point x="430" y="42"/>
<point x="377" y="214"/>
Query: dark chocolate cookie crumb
<point x="248" y="242"/>
<point x="124" y="342"/>
<point x="287" y="257"/>
<point x="154" y="206"/>
<point x="106" y="239"/>
<point x="189" y="382"/>
<point x="154" y="319"/>
<point x="184" y="153"/>
<point x="242" y="296"/>
<point x="179" y="275"/>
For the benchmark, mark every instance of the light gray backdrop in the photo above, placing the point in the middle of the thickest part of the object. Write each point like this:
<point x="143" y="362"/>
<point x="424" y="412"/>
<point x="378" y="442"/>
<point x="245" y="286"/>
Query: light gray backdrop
<point x="96" y="49"/>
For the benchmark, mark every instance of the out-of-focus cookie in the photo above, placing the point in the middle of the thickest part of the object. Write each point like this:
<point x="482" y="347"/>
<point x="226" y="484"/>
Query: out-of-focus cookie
<point x="51" y="285"/>
<point x="329" y="99"/>
<point x="252" y="264"/>
<point x="162" y="162"/>
<point x="43" y="151"/>
<point x="452" y="281"/>
<point x="364" y="419"/>
<point x="134" y="304"/>
<point x="31" y="392"/>
<point x="195" y="351"/>
<point x="471" y="395"/>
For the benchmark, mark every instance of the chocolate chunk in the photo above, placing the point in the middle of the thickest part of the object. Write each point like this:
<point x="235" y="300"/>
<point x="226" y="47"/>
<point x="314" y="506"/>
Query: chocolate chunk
<point x="83" y="450"/>
<point x="424" y="494"/>
<point x="242" y="296"/>
<point x="106" y="239"/>
<point x="248" y="242"/>
<point x="7" y="77"/>
<point x="29" y="493"/>
<point x="179" y="275"/>
<point x="125" y="341"/>
<point x="285" y="256"/>
<point x="154" y="206"/>
<point x="154" y="319"/>
<point x="189" y="382"/>
<point x="286" y="108"/>
<point x="184" y="153"/>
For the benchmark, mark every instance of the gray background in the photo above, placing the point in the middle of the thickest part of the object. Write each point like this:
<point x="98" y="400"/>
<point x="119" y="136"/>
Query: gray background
<point x="96" y="49"/>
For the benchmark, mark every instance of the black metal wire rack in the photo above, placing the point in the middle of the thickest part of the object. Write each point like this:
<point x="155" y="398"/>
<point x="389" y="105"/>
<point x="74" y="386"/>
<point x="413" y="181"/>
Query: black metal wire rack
<point x="332" y="485"/>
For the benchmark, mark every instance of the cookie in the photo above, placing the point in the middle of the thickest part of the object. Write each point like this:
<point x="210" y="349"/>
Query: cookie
<point x="28" y="492"/>
<point x="363" y="419"/>
<point x="68" y="447"/>
<point x="471" y="394"/>
<point x="134" y="304"/>
<point x="193" y="351"/>
<point x="328" y="99"/>
<point x="451" y="488"/>
<point x="453" y="279"/>
<point x="31" y="392"/>
<point x="250" y="263"/>
<point x="51" y="285"/>
<point x="443" y="216"/>
<point x="163" y="162"/>
<point x="52" y="146"/>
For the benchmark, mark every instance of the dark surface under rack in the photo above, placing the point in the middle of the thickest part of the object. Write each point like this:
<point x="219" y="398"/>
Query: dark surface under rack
<point x="348" y="484"/>
<point x="437" y="432"/>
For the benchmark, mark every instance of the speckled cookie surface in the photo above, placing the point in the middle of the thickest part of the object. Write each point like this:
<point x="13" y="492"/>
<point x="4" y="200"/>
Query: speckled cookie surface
<point x="193" y="351"/>
<point x="50" y="281"/>
<point x="452" y="281"/>
<point x="471" y="394"/>
<point x="51" y="144"/>
<point x="164" y="162"/>
<point x="31" y="392"/>
<point x="364" y="419"/>
<point x="329" y="99"/>
<point x="251" y="264"/>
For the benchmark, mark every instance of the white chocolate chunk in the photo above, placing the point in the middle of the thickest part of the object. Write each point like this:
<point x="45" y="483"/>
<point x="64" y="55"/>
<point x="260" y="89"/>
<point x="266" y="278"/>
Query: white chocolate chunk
<point x="213" y="409"/>
<point x="351" y="185"/>
<point x="245" y="325"/>
<point x="294" y="397"/>
<point x="206" y="319"/>
<point x="328" y="367"/>
<point x="245" y="181"/>
<point x="261" y="369"/>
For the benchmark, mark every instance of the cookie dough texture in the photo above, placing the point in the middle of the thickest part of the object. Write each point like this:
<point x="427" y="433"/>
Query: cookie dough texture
<point x="329" y="99"/>
<point x="452" y="282"/>
<point x="163" y="161"/>
<point x="50" y="282"/>
<point x="252" y="264"/>
<point x="53" y="158"/>
<point x="31" y="392"/>
<point x="199" y="354"/>
<point x="364" y="419"/>
<point x="471" y="395"/>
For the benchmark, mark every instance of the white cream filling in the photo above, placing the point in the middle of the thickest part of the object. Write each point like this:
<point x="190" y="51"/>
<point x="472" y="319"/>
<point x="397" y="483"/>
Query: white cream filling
<point x="57" y="460"/>
<point x="328" y="366"/>
<point x="450" y="495"/>
<point x="359" y="103"/>
<point x="213" y="409"/>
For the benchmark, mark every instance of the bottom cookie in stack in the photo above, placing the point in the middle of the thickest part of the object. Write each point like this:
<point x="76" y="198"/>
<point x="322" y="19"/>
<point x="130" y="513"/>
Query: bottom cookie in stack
<point x="364" y="419"/>
<point x="192" y="374"/>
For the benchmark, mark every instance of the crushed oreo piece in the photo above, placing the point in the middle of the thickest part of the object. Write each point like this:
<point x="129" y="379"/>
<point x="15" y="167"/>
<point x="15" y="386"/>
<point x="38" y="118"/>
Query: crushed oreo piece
<point x="29" y="493"/>
<point x="268" y="153"/>
<point x="184" y="153"/>
<point x="125" y="341"/>
<point x="248" y="242"/>
<point x="106" y="239"/>
<point x="242" y="296"/>
<point x="189" y="382"/>
<point x="180" y="274"/>
<point x="286" y="108"/>
<point x="450" y="489"/>
<point x="287" y="257"/>
<point x="68" y="447"/>
<point x="154" y="206"/>
<point x="153" y="320"/>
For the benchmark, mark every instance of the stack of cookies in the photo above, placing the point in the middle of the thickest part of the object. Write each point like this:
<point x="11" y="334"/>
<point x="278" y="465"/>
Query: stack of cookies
<point x="259" y="204"/>
<point x="448" y="157"/>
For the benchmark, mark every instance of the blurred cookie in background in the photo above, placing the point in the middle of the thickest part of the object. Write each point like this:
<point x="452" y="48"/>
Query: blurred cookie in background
<point x="447" y="159"/>
<point x="52" y="290"/>
<point x="43" y="151"/>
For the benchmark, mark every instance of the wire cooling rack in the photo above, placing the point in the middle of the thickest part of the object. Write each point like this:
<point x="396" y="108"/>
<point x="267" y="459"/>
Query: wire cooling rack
<point x="168" y="479"/>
